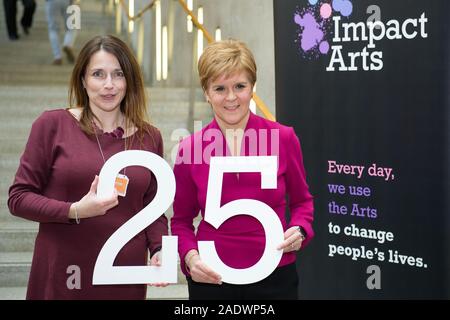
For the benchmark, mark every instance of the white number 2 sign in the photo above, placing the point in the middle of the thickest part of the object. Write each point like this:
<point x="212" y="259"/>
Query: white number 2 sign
<point x="104" y="271"/>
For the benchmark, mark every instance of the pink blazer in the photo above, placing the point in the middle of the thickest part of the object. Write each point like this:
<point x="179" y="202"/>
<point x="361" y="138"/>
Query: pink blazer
<point x="240" y="240"/>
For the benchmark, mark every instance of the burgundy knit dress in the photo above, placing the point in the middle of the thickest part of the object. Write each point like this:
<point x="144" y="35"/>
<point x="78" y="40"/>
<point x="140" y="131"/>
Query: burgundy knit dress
<point x="56" y="169"/>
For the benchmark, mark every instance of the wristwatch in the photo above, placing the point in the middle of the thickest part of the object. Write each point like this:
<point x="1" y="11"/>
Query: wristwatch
<point x="302" y="232"/>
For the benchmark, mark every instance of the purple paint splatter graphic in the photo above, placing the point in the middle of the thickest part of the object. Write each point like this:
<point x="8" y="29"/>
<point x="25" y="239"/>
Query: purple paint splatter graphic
<point x="324" y="47"/>
<point x="312" y="34"/>
<point x="315" y="27"/>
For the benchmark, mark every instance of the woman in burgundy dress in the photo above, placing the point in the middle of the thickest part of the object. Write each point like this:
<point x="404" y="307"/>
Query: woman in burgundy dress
<point x="57" y="178"/>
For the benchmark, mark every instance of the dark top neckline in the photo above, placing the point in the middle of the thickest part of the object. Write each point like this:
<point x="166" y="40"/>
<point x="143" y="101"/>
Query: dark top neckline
<point x="117" y="133"/>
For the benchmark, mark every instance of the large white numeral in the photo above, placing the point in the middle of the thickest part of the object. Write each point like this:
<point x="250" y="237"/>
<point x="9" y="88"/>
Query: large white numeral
<point x="216" y="215"/>
<point x="104" y="271"/>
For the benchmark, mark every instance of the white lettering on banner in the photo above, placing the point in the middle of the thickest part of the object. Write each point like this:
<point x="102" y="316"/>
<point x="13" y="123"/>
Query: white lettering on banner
<point x="104" y="271"/>
<point x="378" y="26"/>
<point x="216" y="215"/>
<point x="370" y="32"/>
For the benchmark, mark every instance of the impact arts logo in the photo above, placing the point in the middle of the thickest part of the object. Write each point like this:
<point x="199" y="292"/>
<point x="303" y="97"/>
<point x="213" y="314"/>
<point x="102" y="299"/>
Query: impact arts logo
<point x="325" y="28"/>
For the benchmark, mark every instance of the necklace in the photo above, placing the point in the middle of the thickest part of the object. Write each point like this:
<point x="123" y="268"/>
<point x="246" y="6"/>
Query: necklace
<point x="121" y="183"/>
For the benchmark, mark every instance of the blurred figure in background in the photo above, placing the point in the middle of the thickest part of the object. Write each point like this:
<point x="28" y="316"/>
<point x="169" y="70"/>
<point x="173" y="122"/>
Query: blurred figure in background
<point x="56" y="9"/>
<point x="29" y="7"/>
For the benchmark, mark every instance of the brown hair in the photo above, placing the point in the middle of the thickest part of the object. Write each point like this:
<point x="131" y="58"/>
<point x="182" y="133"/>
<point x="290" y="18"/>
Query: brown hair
<point x="134" y="103"/>
<point x="225" y="58"/>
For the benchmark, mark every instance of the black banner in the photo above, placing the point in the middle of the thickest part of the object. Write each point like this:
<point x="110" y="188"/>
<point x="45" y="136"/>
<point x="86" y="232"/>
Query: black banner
<point x="366" y="86"/>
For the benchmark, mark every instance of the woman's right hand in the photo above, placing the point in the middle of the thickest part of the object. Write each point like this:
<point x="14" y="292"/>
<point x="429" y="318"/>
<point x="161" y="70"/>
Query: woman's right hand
<point x="91" y="205"/>
<point x="199" y="271"/>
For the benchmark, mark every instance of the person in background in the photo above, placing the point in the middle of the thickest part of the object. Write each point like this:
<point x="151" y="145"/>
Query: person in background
<point x="55" y="11"/>
<point x="227" y="72"/>
<point x="57" y="178"/>
<point x="10" y="6"/>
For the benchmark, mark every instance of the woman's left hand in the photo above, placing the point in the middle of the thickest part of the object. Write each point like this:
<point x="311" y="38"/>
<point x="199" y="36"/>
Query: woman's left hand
<point x="292" y="240"/>
<point x="156" y="261"/>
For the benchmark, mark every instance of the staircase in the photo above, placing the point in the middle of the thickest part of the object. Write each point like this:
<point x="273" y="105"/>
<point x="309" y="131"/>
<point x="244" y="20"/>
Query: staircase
<point x="29" y="84"/>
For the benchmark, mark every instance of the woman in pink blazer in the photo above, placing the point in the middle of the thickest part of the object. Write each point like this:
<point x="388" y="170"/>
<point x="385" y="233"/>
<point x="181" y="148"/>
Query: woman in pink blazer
<point x="227" y="71"/>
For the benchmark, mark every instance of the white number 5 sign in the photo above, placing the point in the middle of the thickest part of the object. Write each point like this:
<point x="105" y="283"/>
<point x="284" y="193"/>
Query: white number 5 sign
<point x="216" y="215"/>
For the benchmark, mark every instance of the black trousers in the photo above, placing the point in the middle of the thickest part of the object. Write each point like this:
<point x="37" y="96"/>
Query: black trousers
<point x="282" y="284"/>
<point x="11" y="15"/>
